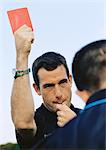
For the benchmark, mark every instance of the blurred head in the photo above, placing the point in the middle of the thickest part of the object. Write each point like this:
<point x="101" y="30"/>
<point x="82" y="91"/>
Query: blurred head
<point x="52" y="79"/>
<point x="89" y="67"/>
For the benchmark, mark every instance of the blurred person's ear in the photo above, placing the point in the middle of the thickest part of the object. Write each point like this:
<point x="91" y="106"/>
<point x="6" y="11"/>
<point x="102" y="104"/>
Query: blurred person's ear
<point x="84" y="95"/>
<point x="36" y="88"/>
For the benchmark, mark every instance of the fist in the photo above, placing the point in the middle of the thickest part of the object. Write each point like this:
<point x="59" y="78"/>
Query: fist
<point x="23" y="39"/>
<point x="64" y="114"/>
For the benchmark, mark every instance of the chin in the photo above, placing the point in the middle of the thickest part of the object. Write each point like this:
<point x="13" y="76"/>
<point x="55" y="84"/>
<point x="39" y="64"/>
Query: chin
<point x="52" y="109"/>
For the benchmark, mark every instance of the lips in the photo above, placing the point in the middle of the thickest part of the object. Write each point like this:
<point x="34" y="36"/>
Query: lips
<point x="58" y="102"/>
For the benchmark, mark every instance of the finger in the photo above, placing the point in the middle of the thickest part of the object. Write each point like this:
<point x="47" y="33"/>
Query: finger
<point x="60" y="119"/>
<point x="59" y="106"/>
<point x="24" y="27"/>
<point x="30" y="37"/>
<point x="60" y="113"/>
<point x="32" y="41"/>
<point x="60" y="124"/>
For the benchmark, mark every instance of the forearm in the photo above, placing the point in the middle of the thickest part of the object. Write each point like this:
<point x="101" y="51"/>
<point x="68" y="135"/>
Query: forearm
<point x="22" y="105"/>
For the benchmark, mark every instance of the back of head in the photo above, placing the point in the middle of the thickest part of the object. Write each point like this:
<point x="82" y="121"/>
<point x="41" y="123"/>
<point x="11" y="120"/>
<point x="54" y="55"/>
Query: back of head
<point x="48" y="61"/>
<point x="89" y="66"/>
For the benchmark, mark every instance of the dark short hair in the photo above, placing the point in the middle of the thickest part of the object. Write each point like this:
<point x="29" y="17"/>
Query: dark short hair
<point x="89" y="66"/>
<point x="48" y="61"/>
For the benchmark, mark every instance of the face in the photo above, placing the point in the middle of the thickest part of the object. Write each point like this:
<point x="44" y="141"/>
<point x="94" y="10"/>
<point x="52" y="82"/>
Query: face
<point x="55" y="87"/>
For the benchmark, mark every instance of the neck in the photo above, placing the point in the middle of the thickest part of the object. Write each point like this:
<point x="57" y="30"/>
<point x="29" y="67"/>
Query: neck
<point x="103" y="85"/>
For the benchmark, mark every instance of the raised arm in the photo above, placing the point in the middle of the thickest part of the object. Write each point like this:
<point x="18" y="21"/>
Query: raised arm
<point x="22" y="105"/>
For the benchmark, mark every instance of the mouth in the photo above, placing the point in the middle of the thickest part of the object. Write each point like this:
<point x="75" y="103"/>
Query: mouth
<point x="58" y="102"/>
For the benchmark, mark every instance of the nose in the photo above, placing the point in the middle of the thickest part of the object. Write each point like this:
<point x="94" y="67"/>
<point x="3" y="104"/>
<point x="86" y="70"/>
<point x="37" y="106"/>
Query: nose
<point x="58" y="92"/>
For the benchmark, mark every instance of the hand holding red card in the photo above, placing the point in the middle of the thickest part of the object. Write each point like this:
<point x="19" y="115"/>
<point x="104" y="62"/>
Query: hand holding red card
<point x="19" y="17"/>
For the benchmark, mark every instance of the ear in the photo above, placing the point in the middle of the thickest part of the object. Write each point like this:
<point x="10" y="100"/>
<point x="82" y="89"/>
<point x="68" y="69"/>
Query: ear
<point x="84" y="95"/>
<point x="70" y="79"/>
<point x="36" y="88"/>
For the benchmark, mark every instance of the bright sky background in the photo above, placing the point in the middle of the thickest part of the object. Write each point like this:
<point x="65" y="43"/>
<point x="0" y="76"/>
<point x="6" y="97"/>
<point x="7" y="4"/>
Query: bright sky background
<point x="62" y="26"/>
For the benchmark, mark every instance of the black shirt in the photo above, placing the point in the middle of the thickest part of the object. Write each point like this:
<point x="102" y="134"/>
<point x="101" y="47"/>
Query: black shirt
<point x="46" y="122"/>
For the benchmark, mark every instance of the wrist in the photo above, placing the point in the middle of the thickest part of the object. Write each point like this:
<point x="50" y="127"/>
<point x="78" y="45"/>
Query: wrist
<point x="20" y="73"/>
<point x="22" y="62"/>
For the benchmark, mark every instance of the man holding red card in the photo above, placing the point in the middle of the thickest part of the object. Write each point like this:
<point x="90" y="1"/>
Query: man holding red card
<point x="51" y="80"/>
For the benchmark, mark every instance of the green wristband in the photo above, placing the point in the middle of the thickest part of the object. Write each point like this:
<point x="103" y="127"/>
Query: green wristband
<point x="20" y="73"/>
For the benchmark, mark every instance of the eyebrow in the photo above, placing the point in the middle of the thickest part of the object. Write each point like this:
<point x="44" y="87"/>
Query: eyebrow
<point x="52" y="84"/>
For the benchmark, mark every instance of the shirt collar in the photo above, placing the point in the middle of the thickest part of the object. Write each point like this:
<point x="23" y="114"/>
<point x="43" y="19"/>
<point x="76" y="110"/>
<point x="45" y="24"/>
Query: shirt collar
<point x="101" y="94"/>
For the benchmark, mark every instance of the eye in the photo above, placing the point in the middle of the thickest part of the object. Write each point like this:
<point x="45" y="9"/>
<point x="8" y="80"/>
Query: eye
<point x="63" y="82"/>
<point x="49" y="85"/>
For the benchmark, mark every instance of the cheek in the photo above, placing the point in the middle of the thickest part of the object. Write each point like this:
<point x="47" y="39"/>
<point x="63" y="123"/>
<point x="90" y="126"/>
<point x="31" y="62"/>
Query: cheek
<point x="68" y="95"/>
<point x="47" y="97"/>
<point x="68" y="91"/>
<point x="48" y="92"/>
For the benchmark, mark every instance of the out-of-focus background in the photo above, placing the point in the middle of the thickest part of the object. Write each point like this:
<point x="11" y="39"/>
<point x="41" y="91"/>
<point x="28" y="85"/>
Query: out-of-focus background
<point x="62" y="26"/>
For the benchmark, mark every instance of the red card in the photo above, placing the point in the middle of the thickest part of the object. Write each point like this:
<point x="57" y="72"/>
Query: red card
<point x="19" y="17"/>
